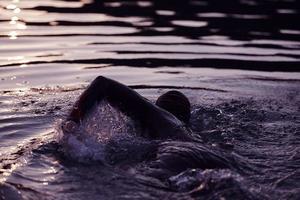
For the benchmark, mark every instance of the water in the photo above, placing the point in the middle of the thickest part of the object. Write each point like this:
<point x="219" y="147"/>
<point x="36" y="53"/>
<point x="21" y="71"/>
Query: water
<point x="238" y="62"/>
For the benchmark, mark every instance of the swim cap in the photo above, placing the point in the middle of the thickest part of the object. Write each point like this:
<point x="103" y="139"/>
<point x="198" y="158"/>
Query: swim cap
<point x="176" y="103"/>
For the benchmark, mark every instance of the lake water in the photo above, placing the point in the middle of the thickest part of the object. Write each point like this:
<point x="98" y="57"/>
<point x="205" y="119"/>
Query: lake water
<point x="237" y="61"/>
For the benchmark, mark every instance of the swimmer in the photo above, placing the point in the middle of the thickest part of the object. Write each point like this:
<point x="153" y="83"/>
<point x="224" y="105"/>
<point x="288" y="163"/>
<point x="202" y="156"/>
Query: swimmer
<point x="166" y="119"/>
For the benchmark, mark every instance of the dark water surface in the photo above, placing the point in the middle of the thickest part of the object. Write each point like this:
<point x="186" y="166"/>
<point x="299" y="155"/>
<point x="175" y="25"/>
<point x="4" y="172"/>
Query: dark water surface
<point x="237" y="61"/>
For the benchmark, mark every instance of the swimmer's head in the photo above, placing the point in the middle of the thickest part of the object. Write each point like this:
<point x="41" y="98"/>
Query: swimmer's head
<point x="176" y="103"/>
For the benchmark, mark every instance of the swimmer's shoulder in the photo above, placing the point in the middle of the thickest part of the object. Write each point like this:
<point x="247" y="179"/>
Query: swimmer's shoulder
<point x="167" y="126"/>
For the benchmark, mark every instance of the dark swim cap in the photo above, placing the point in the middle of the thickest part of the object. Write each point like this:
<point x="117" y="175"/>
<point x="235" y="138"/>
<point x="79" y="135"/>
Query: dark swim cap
<point x="176" y="103"/>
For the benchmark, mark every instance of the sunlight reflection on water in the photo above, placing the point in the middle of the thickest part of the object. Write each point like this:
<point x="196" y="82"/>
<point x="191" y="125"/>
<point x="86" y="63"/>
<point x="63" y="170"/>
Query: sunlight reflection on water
<point x="14" y="20"/>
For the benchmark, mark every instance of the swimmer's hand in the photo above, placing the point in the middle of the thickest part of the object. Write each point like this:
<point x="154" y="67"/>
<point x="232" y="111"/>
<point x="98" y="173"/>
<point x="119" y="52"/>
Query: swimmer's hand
<point x="69" y="126"/>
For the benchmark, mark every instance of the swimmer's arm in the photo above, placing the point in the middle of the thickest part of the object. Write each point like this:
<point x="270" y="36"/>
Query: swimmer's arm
<point x="121" y="96"/>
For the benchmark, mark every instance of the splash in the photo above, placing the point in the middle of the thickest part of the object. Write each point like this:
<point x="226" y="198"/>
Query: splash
<point x="92" y="139"/>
